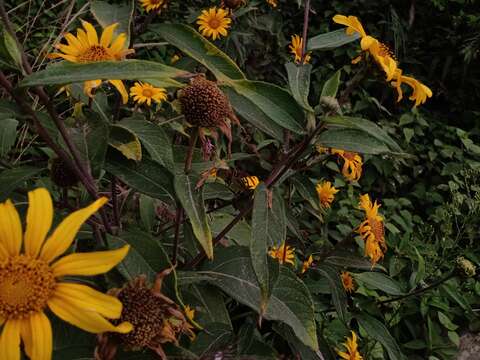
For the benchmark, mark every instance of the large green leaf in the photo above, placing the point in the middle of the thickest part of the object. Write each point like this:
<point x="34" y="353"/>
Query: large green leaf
<point x="8" y="135"/>
<point x="154" y="138"/>
<point x="339" y="297"/>
<point x="331" y="40"/>
<point x="147" y="177"/>
<point x="126" y="142"/>
<point x="15" y="178"/>
<point x="192" y="202"/>
<point x="274" y="101"/>
<point x="197" y="47"/>
<point x="290" y="302"/>
<point x="379" y="281"/>
<point x="99" y="128"/>
<point x="352" y="140"/>
<point x="66" y="73"/>
<point x="379" y="332"/>
<point x="330" y="87"/>
<point x="120" y="13"/>
<point x="299" y="82"/>
<point x="253" y="113"/>
<point x="263" y="227"/>
<point x="240" y="234"/>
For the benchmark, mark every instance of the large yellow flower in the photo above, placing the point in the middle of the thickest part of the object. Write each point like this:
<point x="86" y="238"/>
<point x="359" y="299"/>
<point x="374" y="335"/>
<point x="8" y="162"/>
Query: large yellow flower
<point x="282" y="254"/>
<point x="214" y="22"/>
<point x="296" y="48"/>
<point x="351" y="349"/>
<point x="150" y="5"/>
<point x="31" y="278"/>
<point x="86" y="48"/>
<point x="326" y="193"/>
<point x="352" y="164"/>
<point x="142" y="92"/>
<point x="372" y="230"/>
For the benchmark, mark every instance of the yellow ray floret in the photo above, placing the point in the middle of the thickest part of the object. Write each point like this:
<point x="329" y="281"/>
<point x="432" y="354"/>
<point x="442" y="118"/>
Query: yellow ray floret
<point x="307" y="264"/>
<point x="351" y="352"/>
<point x="146" y="93"/>
<point x="214" y="22"/>
<point x="296" y="48"/>
<point x="150" y="5"/>
<point x="326" y="193"/>
<point x="352" y="164"/>
<point x="86" y="47"/>
<point x="32" y="280"/>
<point x="282" y="254"/>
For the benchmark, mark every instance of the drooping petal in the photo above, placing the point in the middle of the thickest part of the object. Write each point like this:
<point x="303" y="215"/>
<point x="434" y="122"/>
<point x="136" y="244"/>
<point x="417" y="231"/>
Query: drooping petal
<point x="65" y="233"/>
<point x="107" y="35"/>
<point x="10" y="228"/>
<point x="38" y="340"/>
<point x="121" y="89"/>
<point x="39" y="220"/>
<point x="91" y="33"/>
<point x="10" y="340"/>
<point x="90" y="321"/>
<point x="89" y="85"/>
<point x="89" y="299"/>
<point x="93" y="263"/>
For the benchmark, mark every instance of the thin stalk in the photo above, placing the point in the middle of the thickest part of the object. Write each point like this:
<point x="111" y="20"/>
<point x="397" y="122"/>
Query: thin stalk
<point x="176" y="243"/>
<point x="306" y="17"/>
<point x="191" y="148"/>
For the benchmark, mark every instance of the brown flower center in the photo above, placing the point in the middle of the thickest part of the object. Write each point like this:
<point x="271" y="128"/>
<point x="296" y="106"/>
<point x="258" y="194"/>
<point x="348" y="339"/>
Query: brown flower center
<point x="95" y="53"/>
<point x="378" y="229"/>
<point x="147" y="93"/>
<point x="26" y="284"/>
<point x="214" y="23"/>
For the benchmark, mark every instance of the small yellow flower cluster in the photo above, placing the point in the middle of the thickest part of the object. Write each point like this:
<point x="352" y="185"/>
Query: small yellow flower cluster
<point x="214" y="22"/>
<point x="384" y="57"/>
<point x="351" y="346"/>
<point x="296" y="48"/>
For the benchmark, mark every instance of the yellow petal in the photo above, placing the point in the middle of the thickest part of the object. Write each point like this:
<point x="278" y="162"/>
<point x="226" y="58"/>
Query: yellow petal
<point x="73" y="41"/>
<point x="26" y="336"/>
<point x="65" y="233"/>
<point x="118" y="43"/>
<point x="367" y="42"/>
<point x="121" y="89"/>
<point x="86" y="320"/>
<point x="10" y="341"/>
<point x="3" y="255"/>
<point x="89" y="85"/>
<point x="10" y="228"/>
<point x="39" y="220"/>
<point x="93" y="263"/>
<point x="107" y="35"/>
<point x="38" y="341"/>
<point x="91" y="33"/>
<point x="89" y="299"/>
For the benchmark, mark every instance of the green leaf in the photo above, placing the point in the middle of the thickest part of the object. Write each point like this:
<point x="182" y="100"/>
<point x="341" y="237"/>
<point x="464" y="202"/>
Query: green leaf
<point x="97" y="150"/>
<point x="421" y="267"/>
<point x="352" y="140"/>
<point x="107" y="14"/>
<point x="274" y="101"/>
<point x="147" y="177"/>
<point x="379" y="281"/>
<point x="252" y="113"/>
<point x="11" y="179"/>
<point x="66" y="73"/>
<point x="212" y="304"/>
<point x="306" y="190"/>
<point x="154" y="138"/>
<point x="260" y="240"/>
<point x="339" y="297"/>
<point x="367" y="126"/>
<point x="331" y="40"/>
<point x="379" y="332"/>
<point x="146" y="208"/>
<point x="192" y="202"/>
<point x="290" y="302"/>
<point x="446" y="322"/>
<point x="330" y="87"/>
<point x="8" y="135"/>
<point x="126" y="142"/>
<point x="10" y="46"/>
<point x="299" y="82"/>
<point x="240" y="233"/>
<point x="346" y="260"/>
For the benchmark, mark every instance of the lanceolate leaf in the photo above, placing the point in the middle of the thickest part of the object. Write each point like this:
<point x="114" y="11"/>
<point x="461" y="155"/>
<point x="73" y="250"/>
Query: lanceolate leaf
<point x="331" y="40"/>
<point x="196" y="46"/>
<point x="12" y="179"/>
<point x="352" y="140"/>
<point x="126" y="142"/>
<point x="330" y="87"/>
<point x="192" y="202"/>
<point x="339" y="298"/>
<point x="66" y="73"/>
<point x="8" y="135"/>
<point x="380" y="281"/>
<point x="299" y="81"/>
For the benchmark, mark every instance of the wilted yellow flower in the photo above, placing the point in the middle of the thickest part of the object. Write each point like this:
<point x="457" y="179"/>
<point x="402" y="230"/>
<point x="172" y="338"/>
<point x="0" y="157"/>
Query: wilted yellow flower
<point x="307" y="263"/>
<point x="420" y="91"/>
<point x="86" y="48"/>
<point x="347" y="281"/>
<point x="326" y="193"/>
<point x="272" y="3"/>
<point x="283" y="255"/>
<point x="351" y="349"/>
<point x="372" y="230"/>
<point x="352" y="164"/>
<point x="143" y="92"/>
<point x="189" y="313"/>
<point x="296" y="48"/>
<point x="150" y="5"/>
<point x="33" y="280"/>
<point x="214" y="22"/>
<point x="250" y="182"/>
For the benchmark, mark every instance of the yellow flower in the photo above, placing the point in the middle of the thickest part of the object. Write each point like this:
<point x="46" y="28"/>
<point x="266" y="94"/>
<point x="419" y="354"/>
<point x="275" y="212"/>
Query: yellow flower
<point x="86" y="48"/>
<point x="420" y="91"/>
<point x="352" y="23"/>
<point x="284" y="255"/>
<point x="351" y="349"/>
<point x="189" y="312"/>
<point x="296" y="48"/>
<point x="150" y="5"/>
<point x="326" y="193"/>
<point x="32" y="280"/>
<point x="372" y="230"/>
<point x="143" y="92"/>
<point x="352" y="166"/>
<point x="347" y="281"/>
<point x="175" y="59"/>
<point x="272" y="3"/>
<point x="250" y="182"/>
<point x="214" y="22"/>
<point x="307" y="263"/>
